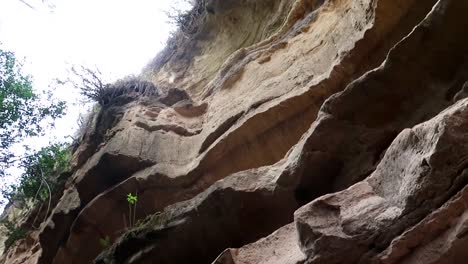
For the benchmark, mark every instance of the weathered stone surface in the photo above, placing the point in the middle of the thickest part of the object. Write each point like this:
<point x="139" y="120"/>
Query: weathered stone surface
<point x="422" y="169"/>
<point x="323" y="101"/>
<point x="280" y="247"/>
<point x="439" y="238"/>
<point x="233" y="211"/>
<point x="311" y="163"/>
<point x="339" y="137"/>
<point x="243" y="126"/>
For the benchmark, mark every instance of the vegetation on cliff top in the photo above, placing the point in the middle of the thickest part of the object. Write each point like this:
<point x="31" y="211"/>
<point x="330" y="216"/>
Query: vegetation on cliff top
<point x="93" y="88"/>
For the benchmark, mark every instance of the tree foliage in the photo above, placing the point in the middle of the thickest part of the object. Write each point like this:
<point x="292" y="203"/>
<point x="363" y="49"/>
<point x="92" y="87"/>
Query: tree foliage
<point x="23" y="111"/>
<point x="13" y="233"/>
<point x="41" y="172"/>
<point x="40" y="179"/>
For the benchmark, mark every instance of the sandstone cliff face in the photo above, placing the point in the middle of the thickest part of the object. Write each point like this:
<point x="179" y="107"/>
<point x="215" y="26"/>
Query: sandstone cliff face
<point x="305" y="131"/>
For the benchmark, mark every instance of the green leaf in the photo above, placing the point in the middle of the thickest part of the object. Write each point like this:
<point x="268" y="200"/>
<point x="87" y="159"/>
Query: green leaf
<point x="23" y="112"/>
<point x="132" y="199"/>
<point x="105" y="242"/>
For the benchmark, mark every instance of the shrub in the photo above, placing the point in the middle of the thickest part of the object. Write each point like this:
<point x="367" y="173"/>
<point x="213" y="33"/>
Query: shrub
<point x="126" y="90"/>
<point x="36" y="185"/>
<point x="41" y="170"/>
<point x="187" y="20"/>
<point x="13" y="233"/>
<point x="92" y="86"/>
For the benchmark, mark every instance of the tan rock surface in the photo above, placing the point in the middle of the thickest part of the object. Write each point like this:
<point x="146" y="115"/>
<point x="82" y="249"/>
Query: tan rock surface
<point x="280" y="247"/>
<point x="253" y="123"/>
<point x="267" y="106"/>
<point x="335" y="141"/>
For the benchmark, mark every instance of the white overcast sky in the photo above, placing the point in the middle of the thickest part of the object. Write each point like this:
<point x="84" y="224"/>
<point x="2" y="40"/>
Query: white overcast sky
<point x="117" y="36"/>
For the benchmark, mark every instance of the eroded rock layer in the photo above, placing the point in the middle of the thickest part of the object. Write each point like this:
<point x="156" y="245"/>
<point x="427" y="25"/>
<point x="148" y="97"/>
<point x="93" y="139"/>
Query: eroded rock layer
<point x="304" y="131"/>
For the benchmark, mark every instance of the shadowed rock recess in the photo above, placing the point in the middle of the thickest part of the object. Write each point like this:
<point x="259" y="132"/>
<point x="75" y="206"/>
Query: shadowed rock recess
<point x="287" y="132"/>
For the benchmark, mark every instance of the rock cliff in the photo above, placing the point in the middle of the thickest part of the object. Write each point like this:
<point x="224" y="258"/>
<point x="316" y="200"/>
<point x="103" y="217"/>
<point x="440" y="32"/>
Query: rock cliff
<point x="287" y="131"/>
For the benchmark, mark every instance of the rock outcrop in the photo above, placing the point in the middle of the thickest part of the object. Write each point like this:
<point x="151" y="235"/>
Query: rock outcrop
<point x="306" y="131"/>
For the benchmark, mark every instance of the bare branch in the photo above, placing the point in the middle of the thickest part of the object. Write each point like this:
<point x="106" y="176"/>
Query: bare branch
<point x="28" y="5"/>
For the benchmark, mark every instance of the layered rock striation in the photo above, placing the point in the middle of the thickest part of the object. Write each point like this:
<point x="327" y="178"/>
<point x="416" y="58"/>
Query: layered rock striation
<point x="307" y="131"/>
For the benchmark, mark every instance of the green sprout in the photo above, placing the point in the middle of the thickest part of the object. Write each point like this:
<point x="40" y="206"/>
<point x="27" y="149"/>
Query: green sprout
<point x="105" y="242"/>
<point x="132" y="203"/>
<point x="132" y="199"/>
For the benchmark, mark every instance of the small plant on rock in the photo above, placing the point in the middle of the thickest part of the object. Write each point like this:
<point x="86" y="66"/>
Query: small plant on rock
<point x="105" y="242"/>
<point x="132" y="203"/>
